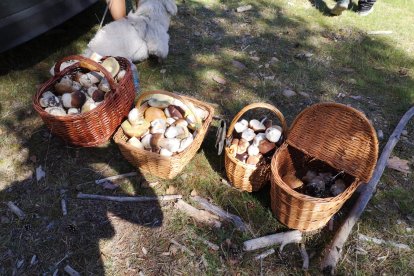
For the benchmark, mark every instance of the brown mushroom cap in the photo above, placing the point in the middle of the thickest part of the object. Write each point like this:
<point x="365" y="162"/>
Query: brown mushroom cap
<point x="153" y="113"/>
<point x="155" y="141"/>
<point x="242" y="157"/>
<point x="265" y="146"/>
<point x="174" y="112"/>
<point x="242" y="146"/>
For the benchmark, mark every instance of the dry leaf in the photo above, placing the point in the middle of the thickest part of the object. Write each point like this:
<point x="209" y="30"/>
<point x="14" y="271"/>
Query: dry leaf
<point x="398" y="164"/>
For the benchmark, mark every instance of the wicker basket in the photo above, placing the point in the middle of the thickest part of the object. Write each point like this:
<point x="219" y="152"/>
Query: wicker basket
<point x="96" y="126"/>
<point x="327" y="136"/>
<point x="244" y="176"/>
<point x="154" y="163"/>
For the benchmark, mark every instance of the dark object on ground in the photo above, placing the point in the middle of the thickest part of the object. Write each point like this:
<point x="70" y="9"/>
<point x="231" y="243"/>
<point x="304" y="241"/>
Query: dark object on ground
<point x="334" y="250"/>
<point x="23" y="20"/>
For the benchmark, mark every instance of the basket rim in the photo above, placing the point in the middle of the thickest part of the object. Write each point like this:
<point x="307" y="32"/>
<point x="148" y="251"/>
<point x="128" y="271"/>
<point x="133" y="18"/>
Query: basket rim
<point x="365" y="177"/>
<point x="206" y="123"/>
<point x="102" y="105"/>
<point x="292" y="192"/>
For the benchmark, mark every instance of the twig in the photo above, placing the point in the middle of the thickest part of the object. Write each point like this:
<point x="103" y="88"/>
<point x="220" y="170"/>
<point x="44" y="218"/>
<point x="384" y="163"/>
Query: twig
<point x="379" y="32"/>
<point x="16" y="210"/>
<point x="63" y="202"/>
<point x="115" y="177"/>
<point x="213" y="246"/>
<point x="129" y="198"/>
<point x="402" y="246"/>
<point x="237" y="221"/>
<point x="200" y="215"/>
<point x="183" y="248"/>
<point x="305" y="256"/>
<point x="264" y="254"/>
<point x="69" y="270"/>
<point x="284" y="238"/>
<point x="334" y="250"/>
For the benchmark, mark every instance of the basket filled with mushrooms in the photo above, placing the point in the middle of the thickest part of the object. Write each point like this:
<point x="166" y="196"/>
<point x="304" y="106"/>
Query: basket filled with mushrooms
<point x="330" y="151"/>
<point x="86" y="101"/>
<point x="250" y="146"/>
<point x="163" y="132"/>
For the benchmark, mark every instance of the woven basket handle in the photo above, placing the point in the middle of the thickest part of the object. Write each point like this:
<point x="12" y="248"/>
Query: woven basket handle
<point x="145" y="95"/>
<point x="270" y="107"/>
<point x="88" y="64"/>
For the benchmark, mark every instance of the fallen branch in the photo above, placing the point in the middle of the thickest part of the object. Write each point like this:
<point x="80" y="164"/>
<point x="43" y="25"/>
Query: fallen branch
<point x="334" y="250"/>
<point x="69" y="270"/>
<point x="264" y="254"/>
<point x="129" y="198"/>
<point x="115" y="177"/>
<point x="237" y="221"/>
<point x="200" y="215"/>
<point x="16" y="210"/>
<point x="402" y="246"/>
<point x="182" y="247"/>
<point x="284" y="238"/>
<point x="213" y="246"/>
<point x="305" y="256"/>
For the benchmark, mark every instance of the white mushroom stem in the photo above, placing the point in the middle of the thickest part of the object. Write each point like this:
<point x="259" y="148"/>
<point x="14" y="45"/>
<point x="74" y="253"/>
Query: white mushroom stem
<point x="284" y="238"/>
<point x="199" y="215"/>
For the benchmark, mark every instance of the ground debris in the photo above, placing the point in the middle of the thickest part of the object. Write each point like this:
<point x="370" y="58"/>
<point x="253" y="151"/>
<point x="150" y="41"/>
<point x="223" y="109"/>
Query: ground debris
<point x="402" y="246"/>
<point x="288" y="93"/>
<point x="40" y="173"/>
<point x="244" y="8"/>
<point x="72" y="272"/>
<point x="398" y="164"/>
<point x="16" y="210"/>
<point x="219" y="80"/>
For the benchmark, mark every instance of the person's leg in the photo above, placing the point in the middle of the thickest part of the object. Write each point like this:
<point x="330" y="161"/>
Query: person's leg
<point x="365" y="7"/>
<point x="117" y="8"/>
<point x="340" y="6"/>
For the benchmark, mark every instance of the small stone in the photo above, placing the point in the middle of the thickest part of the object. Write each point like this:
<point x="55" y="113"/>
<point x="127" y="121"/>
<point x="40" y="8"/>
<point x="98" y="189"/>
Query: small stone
<point x="404" y="132"/>
<point x="194" y="192"/>
<point x="40" y="173"/>
<point x="162" y="71"/>
<point x="219" y="80"/>
<point x="380" y="134"/>
<point x="304" y="94"/>
<point x="197" y="33"/>
<point x="144" y="251"/>
<point x="34" y="260"/>
<point x="266" y="65"/>
<point x="244" y="8"/>
<point x="238" y="65"/>
<point x="255" y="58"/>
<point x="171" y="190"/>
<point x="274" y="60"/>
<point x="352" y="81"/>
<point x="288" y="93"/>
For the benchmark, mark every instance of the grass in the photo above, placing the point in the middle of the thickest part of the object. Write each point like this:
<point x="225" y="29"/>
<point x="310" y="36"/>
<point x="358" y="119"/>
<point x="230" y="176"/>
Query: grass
<point x="206" y="36"/>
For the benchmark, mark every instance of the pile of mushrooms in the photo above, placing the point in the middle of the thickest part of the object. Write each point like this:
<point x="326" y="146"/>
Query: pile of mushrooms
<point x="322" y="184"/>
<point x="80" y="92"/>
<point x="167" y="126"/>
<point x="254" y="139"/>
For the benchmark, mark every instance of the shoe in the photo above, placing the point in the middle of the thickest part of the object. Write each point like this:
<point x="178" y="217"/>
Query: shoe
<point x="365" y="12"/>
<point x="340" y="7"/>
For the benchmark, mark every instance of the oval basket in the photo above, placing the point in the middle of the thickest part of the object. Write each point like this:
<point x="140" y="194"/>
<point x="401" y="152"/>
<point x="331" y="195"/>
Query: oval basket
<point x="96" y="126"/>
<point x="247" y="177"/>
<point x="329" y="135"/>
<point x="166" y="167"/>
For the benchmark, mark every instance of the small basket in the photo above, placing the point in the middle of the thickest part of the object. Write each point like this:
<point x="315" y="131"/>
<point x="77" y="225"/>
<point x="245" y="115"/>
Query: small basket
<point x="151" y="162"/>
<point x="330" y="136"/>
<point x="96" y="126"/>
<point x="247" y="177"/>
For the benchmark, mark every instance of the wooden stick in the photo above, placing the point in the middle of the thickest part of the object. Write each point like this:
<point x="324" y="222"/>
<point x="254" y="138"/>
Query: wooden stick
<point x="129" y="198"/>
<point x="16" y="210"/>
<point x="284" y="238"/>
<point x="115" y="177"/>
<point x="305" y="256"/>
<point x="334" y="250"/>
<point x="237" y="221"/>
<point x="265" y="254"/>
<point x="402" y="246"/>
<point x="200" y="215"/>
<point x="183" y="248"/>
<point x="213" y="246"/>
<point x="379" y="32"/>
<point x="69" y="270"/>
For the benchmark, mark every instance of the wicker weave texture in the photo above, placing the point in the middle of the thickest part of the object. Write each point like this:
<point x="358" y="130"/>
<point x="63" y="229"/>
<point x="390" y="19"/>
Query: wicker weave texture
<point x="335" y="135"/>
<point x="244" y="176"/>
<point x="338" y="135"/>
<point x="96" y="126"/>
<point x="155" y="164"/>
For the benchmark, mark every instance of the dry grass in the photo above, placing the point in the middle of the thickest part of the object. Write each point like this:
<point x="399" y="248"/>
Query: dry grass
<point x="206" y="36"/>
